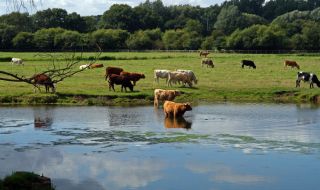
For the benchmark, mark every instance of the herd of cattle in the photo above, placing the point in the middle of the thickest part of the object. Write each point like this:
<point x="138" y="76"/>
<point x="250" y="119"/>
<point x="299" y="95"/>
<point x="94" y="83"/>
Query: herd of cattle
<point x="117" y="76"/>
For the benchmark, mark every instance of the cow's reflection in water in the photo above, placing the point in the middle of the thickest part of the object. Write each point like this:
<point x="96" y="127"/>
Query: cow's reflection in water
<point x="178" y="122"/>
<point x="43" y="118"/>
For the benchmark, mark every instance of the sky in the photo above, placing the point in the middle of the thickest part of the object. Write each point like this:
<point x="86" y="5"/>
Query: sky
<point x="94" y="7"/>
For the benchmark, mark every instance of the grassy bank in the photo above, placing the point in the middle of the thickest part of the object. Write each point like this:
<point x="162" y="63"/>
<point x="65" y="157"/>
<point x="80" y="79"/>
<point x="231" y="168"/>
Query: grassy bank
<point x="270" y="82"/>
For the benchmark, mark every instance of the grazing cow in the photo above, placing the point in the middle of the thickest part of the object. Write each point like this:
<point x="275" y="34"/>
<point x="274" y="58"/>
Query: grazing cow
<point x="113" y="70"/>
<point x="292" y="64"/>
<point x="162" y="95"/>
<point x="124" y="81"/>
<point x="86" y="66"/>
<point x="179" y="122"/>
<point x="164" y="74"/>
<point x="204" y="53"/>
<point x="16" y="61"/>
<point x="177" y="76"/>
<point x="248" y="63"/>
<point x="95" y="65"/>
<point x="307" y="77"/>
<point x="190" y="74"/>
<point x="134" y="77"/>
<point x="43" y="79"/>
<point x="207" y="62"/>
<point x="172" y="109"/>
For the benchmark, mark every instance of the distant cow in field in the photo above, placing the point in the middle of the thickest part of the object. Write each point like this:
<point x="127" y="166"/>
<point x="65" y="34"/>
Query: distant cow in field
<point x="164" y="74"/>
<point x="163" y="95"/>
<point x="207" y="62"/>
<point x="292" y="64"/>
<point x="86" y="66"/>
<point x="307" y="77"/>
<point x="120" y="80"/>
<point x="248" y="63"/>
<point x="172" y="109"/>
<point x="177" y="76"/>
<point x="16" y="61"/>
<point x="96" y="65"/>
<point x="204" y="53"/>
<point x="113" y="70"/>
<point x="190" y="74"/>
<point x="134" y="77"/>
<point x="43" y="79"/>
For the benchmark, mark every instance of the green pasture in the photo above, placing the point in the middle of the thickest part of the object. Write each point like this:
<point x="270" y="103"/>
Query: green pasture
<point x="227" y="81"/>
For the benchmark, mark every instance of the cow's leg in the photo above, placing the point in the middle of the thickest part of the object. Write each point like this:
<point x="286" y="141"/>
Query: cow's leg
<point x="297" y="83"/>
<point x="134" y="82"/>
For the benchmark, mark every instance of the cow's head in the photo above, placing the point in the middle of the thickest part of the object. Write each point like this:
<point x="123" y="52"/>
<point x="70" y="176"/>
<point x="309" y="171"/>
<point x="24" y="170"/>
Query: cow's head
<point x="187" y="106"/>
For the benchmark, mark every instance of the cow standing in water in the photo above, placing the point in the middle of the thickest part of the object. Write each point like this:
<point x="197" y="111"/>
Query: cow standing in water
<point x="43" y="79"/>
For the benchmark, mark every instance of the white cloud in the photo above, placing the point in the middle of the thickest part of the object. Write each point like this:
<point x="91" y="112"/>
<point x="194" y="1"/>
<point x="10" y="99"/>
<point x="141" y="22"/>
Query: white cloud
<point x="97" y="7"/>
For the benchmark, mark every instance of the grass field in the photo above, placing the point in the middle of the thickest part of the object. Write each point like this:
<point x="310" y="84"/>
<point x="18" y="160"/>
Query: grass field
<point x="226" y="82"/>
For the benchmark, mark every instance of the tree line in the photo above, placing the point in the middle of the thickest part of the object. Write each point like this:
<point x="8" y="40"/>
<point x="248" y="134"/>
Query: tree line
<point x="235" y="24"/>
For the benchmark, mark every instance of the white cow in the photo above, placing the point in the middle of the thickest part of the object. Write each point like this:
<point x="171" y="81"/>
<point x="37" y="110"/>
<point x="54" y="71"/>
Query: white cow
<point x="17" y="61"/>
<point x="191" y="75"/>
<point x="164" y="74"/>
<point x="86" y="66"/>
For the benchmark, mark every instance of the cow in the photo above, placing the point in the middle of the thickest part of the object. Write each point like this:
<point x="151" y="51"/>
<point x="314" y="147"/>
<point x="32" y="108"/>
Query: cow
<point x="162" y="95"/>
<point x="113" y="70"/>
<point x="190" y="74"/>
<point x="124" y="81"/>
<point x="164" y="74"/>
<point x="179" y="122"/>
<point x="172" y="109"/>
<point x="43" y="79"/>
<point x="307" y="77"/>
<point x="86" y="66"/>
<point x="95" y="65"/>
<point x="16" y="61"/>
<point x="248" y="63"/>
<point x="177" y="76"/>
<point x="134" y="77"/>
<point x="204" y="53"/>
<point x="207" y="62"/>
<point x="292" y="64"/>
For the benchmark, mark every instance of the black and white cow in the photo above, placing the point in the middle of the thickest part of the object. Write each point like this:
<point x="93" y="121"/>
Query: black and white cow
<point x="307" y="77"/>
<point x="248" y="63"/>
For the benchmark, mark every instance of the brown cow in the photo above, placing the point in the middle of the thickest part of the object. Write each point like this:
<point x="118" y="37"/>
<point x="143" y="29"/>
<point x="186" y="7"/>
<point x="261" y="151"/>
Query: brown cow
<point x="120" y="80"/>
<point x="134" y="77"/>
<point x="113" y="70"/>
<point x="172" y="109"/>
<point x="292" y="64"/>
<point x="43" y="79"/>
<point x="95" y="65"/>
<point x="204" y="53"/>
<point x="179" y="122"/>
<point x="207" y="62"/>
<point x="162" y="95"/>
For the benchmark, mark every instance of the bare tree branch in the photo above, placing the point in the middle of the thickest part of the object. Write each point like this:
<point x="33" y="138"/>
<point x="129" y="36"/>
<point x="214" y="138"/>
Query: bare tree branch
<point x="56" y="72"/>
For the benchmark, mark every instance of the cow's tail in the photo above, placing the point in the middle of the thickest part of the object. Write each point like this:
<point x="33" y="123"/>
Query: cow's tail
<point x="316" y="80"/>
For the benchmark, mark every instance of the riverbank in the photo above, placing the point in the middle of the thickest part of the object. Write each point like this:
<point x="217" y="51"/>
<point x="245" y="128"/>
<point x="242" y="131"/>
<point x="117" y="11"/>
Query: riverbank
<point x="227" y="81"/>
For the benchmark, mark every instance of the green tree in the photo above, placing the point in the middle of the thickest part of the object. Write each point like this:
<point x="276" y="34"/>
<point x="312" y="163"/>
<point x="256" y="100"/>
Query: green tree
<point x="23" y="41"/>
<point x="119" y="17"/>
<point x="172" y="39"/>
<point x="50" y="18"/>
<point x="44" y="38"/>
<point x="68" y="40"/>
<point x="110" y="38"/>
<point x="229" y="19"/>
<point x="21" y="21"/>
<point x="7" y="33"/>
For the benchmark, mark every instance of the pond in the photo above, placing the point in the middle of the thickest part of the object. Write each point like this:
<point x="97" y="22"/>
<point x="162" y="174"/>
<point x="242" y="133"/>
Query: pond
<point x="219" y="146"/>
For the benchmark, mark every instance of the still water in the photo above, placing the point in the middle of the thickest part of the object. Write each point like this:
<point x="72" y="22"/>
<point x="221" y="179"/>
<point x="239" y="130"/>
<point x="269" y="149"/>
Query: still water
<point x="219" y="146"/>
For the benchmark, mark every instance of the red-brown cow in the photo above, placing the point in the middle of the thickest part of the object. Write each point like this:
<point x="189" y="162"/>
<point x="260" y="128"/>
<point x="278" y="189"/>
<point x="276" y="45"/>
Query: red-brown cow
<point x="113" y="70"/>
<point x="292" y="64"/>
<point x="172" y="109"/>
<point x="43" y="79"/>
<point x="96" y="65"/>
<point x="120" y="80"/>
<point x="134" y="77"/>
